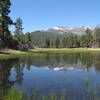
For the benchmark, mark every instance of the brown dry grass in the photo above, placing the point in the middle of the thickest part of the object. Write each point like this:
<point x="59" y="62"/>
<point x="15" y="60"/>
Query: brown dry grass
<point x="10" y="51"/>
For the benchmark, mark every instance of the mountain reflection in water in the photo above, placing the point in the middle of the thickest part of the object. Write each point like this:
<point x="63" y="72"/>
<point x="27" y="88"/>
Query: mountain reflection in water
<point x="51" y="72"/>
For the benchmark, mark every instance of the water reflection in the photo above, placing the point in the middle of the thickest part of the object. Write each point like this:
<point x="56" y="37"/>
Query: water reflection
<point x="51" y="72"/>
<point x="5" y="69"/>
<point x="77" y="61"/>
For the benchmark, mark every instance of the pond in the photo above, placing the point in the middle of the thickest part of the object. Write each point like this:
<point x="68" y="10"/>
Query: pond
<point x="51" y="76"/>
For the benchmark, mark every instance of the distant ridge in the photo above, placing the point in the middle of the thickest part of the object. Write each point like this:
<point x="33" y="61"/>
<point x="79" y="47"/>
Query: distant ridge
<point x="65" y="30"/>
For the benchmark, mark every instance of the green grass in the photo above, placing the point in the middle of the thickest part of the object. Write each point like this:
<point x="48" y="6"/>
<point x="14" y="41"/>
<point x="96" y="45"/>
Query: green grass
<point x="10" y="56"/>
<point x="13" y="94"/>
<point x="38" y="52"/>
<point x="66" y="51"/>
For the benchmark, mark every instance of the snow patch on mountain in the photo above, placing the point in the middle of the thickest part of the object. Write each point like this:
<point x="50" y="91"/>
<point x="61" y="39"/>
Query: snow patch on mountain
<point x="65" y="30"/>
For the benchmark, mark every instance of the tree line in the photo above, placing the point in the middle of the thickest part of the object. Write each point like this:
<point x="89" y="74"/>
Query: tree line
<point x="89" y="40"/>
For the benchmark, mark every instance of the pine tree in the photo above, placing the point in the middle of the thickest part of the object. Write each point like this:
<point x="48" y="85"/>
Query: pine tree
<point x="47" y="43"/>
<point x="27" y="37"/>
<point x="57" y="42"/>
<point x="96" y="37"/>
<point x="64" y="42"/>
<point x="5" y="20"/>
<point x="19" y="30"/>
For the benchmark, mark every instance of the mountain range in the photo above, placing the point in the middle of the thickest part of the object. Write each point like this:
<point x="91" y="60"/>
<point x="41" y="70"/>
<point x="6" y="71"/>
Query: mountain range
<point x="65" y="30"/>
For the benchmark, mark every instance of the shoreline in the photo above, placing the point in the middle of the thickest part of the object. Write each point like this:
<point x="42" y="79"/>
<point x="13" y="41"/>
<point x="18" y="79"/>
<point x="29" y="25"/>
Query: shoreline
<point x="66" y="49"/>
<point x="9" y="53"/>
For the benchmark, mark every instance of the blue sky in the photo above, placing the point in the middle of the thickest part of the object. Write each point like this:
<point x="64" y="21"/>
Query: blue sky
<point x="43" y="14"/>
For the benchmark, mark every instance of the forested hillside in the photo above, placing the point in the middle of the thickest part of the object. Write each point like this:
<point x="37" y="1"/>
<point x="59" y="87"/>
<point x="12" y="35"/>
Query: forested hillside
<point x="53" y="39"/>
<point x="46" y="39"/>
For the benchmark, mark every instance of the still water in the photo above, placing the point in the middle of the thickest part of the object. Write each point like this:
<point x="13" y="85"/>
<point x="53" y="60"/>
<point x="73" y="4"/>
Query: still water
<point x="74" y="75"/>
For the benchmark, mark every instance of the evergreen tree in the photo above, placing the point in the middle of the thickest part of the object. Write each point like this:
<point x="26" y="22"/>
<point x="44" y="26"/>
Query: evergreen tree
<point x="19" y="30"/>
<point x="47" y="43"/>
<point x="83" y="41"/>
<point x="5" y="20"/>
<point x="27" y="37"/>
<point x="72" y="40"/>
<point x="51" y="44"/>
<point x="86" y="40"/>
<point x="89" y="36"/>
<point x="57" y="42"/>
<point x="64" y="42"/>
<point x="96" y="37"/>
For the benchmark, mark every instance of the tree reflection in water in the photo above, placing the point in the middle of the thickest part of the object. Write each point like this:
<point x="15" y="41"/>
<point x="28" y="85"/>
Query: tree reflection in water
<point x="81" y="61"/>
